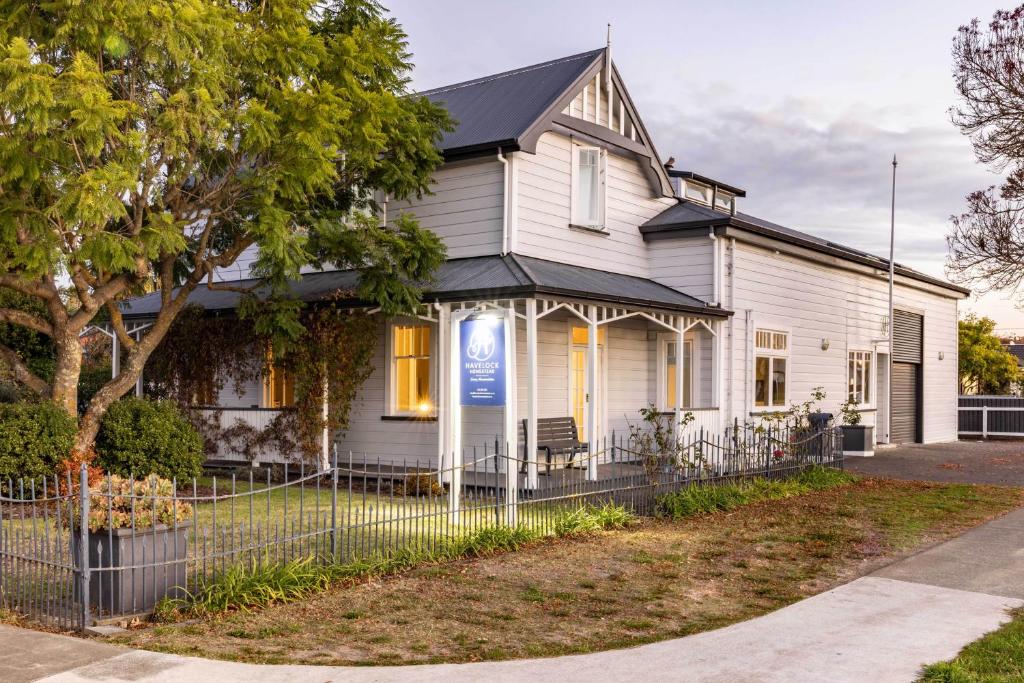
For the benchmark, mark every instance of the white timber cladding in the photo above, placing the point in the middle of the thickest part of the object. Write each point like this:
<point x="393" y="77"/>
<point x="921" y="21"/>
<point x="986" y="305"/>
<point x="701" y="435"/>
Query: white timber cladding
<point x="685" y="264"/>
<point x="818" y="302"/>
<point x="544" y="211"/>
<point x="592" y="104"/>
<point x="465" y="208"/>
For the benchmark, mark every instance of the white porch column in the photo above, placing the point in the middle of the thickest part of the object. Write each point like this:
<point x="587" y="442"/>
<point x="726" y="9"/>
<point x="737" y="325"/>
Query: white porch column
<point x="716" y="371"/>
<point x="531" y="394"/>
<point x="592" y="393"/>
<point x="325" y="445"/>
<point x="138" y="382"/>
<point x="453" y="461"/>
<point x="680" y="325"/>
<point x="442" y="385"/>
<point x="115" y="356"/>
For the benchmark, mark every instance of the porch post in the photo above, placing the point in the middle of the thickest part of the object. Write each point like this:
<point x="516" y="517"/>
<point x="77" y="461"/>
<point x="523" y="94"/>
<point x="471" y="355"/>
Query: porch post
<point x="138" y="382"/>
<point x="680" y="359"/>
<point x="592" y="397"/>
<point x="716" y="372"/>
<point x="453" y="463"/>
<point x="325" y="437"/>
<point x="115" y="356"/>
<point x="531" y="394"/>
<point x="442" y="384"/>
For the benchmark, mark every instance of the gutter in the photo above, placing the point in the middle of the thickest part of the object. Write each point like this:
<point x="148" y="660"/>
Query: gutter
<point x="504" y="202"/>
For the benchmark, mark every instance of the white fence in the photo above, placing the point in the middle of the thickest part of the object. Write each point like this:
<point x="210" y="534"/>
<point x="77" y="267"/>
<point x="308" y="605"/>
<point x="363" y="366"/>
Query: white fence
<point x="987" y="416"/>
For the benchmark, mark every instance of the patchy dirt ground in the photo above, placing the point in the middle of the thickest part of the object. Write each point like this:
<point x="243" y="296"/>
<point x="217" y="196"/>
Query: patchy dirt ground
<point x="657" y="580"/>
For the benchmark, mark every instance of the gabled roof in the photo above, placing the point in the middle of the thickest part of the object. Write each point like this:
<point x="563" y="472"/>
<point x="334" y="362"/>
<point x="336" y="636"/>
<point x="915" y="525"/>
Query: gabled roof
<point x="463" y="279"/>
<point x="498" y="110"/>
<point x="689" y="217"/>
<point x="509" y="111"/>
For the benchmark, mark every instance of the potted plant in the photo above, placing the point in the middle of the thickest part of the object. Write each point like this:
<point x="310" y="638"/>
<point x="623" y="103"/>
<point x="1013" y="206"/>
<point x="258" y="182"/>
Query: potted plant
<point x="858" y="439"/>
<point x="137" y="543"/>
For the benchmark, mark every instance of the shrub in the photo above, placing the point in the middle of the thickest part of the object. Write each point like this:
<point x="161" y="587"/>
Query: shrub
<point x="590" y="519"/>
<point x="34" y="438"/>
<point x="139" y="437"/>
<point x="422" y="484"/>
<point x="120" y="503"/>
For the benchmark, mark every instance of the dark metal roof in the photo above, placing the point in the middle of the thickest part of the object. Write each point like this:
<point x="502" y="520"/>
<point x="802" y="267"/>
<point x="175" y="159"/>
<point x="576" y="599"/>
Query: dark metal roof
<point x="1017" y="351"/>
<point x="707" y="181"/>
<point x="689" y="216"/>
<point x="462" y="279"/>
<point x="496" y="110"/>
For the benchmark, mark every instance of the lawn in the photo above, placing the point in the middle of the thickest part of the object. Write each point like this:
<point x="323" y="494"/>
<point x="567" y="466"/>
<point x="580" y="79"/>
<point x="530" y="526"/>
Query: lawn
<point x="999" y="656"/>
<point x="658" y="580"/>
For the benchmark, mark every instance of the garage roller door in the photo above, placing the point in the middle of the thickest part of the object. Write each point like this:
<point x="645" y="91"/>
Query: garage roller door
<point x="907" y="355"/>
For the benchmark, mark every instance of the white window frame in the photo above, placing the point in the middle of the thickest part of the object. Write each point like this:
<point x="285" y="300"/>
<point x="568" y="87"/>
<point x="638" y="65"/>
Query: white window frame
<point x="391" y="377"/>
<point x="575" y="218"/>
<point x="664" y="339"/>
<point x="772" y="354"/>
<point x="871" y="373"/>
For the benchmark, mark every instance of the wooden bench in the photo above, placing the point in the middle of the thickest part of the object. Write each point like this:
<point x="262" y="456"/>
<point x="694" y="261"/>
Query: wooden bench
<point x="556" y="436"/>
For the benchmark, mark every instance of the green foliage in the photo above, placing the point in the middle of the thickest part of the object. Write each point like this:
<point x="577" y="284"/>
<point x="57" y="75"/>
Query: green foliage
<point x="591" y="519"/>
<point x="998" y="656"/>
<point x="848" y="411"/>
<point x="145" y="144"/>
<point x="34" y="348"/>
<point x="986" y="367"/>
<point x="34" y="439"/>
<point x="140" y="437"/>
<point x="709" y="497"/>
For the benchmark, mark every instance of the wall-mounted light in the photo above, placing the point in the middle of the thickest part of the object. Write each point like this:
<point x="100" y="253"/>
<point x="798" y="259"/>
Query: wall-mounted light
<point x="941" y="355"/>
<point x="824" y="344"/>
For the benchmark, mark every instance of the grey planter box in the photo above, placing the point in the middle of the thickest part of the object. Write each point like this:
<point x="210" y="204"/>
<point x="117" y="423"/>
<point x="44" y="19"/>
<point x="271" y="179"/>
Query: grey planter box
<point x="131" y="571"/>
<point x="858" y="440"/>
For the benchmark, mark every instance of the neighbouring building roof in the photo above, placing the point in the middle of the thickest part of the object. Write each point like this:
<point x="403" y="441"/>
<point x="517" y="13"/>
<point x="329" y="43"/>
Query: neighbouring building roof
<point x="687" y="217"/>
<point x="497" y="110"/>
<point x="1017" y="350"/>
<point x="464" y="279"/>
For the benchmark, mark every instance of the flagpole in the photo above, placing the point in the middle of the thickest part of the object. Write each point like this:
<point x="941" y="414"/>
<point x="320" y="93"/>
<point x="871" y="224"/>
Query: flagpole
<point x="892" y="272"/>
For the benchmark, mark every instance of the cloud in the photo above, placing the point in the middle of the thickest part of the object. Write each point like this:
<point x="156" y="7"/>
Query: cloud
<point x="828" y="173"/>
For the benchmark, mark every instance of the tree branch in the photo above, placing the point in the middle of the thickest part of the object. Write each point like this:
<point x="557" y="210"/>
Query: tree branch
<point x="22" y="374"/>
<point x="27" y="320"/>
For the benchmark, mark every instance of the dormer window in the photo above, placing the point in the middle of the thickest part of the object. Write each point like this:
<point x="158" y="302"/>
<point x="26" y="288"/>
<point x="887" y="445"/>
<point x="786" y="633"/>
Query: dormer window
<point x="696" y="192"/>
<point x="588" y="187"/>
<point x="724" y="201"/>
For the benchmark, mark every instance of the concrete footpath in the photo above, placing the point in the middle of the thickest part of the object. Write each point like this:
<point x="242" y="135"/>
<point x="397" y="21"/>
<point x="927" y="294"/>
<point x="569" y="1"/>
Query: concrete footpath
<point x="883" y="627"/>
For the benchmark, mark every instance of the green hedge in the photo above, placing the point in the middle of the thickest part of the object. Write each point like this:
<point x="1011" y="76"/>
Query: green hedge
<point x="34" y="439"/>
<point x="140" y="437"/>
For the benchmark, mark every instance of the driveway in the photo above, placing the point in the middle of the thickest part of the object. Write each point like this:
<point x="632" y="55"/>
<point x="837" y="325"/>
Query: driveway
<point x="967" y="462"/>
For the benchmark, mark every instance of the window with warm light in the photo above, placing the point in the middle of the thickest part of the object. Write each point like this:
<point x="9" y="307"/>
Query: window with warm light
<point x="581" y="336"/>
<point x="410" y="367"/>
<point x="670" y="357"/>
<point x="771" y="360"/>
<point x="278" y="386"/>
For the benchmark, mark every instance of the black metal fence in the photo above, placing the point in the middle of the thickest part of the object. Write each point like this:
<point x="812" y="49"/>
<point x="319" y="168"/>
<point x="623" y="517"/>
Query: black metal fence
<point x="143" y="541"/>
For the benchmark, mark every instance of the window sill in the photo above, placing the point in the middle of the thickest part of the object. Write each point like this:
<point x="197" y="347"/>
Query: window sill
<point x="593" y="229"/>
<point x="408" y="418"/>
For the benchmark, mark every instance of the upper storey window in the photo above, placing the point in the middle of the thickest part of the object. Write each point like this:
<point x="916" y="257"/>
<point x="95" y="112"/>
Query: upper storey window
<point x="697" y="192"/>
<point x="588" y="186"/>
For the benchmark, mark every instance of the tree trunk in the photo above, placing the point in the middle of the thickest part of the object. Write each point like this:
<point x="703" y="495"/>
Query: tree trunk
<point x="89" y="424"/>
<point x="67" y="371"/>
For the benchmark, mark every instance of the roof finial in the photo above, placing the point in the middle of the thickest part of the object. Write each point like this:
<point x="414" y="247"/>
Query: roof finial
<point x="608" y="56"/>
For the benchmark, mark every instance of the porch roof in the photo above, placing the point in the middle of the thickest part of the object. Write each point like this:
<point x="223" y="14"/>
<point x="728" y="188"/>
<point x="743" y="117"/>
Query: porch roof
<point x="482" y="277"/>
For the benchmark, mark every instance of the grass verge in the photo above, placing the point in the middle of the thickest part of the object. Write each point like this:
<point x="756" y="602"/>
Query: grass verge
<point x="707" y="498"/>
<point x="245" y="587"/>
<point x="998" y="656"/>
<point x="659" y="579"/>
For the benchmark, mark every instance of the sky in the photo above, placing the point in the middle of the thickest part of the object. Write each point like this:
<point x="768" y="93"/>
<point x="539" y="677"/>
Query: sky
<point x="802" y="104"/>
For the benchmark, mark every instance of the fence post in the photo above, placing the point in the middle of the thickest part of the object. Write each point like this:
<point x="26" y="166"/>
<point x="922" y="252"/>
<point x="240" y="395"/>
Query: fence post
<point x="83" y="542"/>
<point x="984" y="422"/>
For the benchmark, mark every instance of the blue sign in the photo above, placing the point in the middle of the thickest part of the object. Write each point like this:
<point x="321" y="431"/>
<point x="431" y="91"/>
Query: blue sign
<point x="482" y="362"/>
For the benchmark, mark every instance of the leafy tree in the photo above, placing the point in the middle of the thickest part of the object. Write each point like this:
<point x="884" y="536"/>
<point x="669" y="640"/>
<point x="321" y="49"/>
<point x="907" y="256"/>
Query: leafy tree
<point x="987" y="241"/>
<point x="146" y="143"/>
<point x="985" y="365"/>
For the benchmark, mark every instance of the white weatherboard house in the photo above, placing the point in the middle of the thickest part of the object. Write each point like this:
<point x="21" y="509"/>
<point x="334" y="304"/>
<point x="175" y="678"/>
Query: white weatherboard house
<point x="629" y="283"/>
